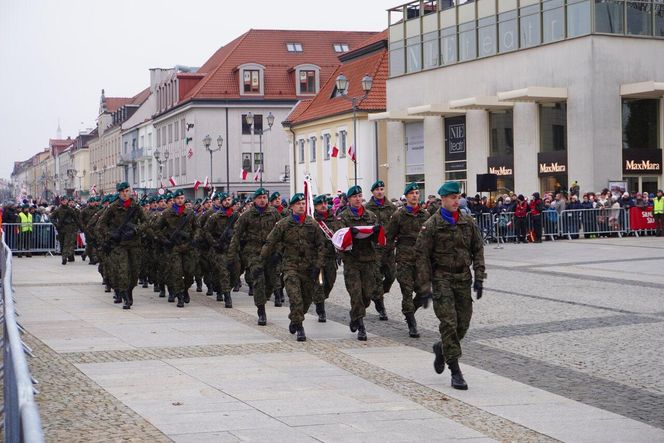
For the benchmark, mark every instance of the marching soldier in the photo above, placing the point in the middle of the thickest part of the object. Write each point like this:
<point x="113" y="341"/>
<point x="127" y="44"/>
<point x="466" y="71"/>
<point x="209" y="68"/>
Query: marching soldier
<point x="383" y="209"/>
<point x="65" y="219"/>
<point x="450" y="243"/>
<point x="217" y="232"/>
<point x="249" y="235"/>
<point x="275" y="200"/>
<point x="176" y="229"/>
<point x="402" y="232"/>
<point x="302" y="245"/>
<point x="86" y="214"/>
<point x="209" y="207"/>
<point x="360" y="262"/>
<point x="330" y="224"/>
<point x="119" y="232"/>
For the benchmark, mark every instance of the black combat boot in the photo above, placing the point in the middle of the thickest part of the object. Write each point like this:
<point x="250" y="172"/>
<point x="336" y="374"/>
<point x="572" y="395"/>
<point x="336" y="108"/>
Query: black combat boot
<point x="171" y="296"/>
<point x="199" y="284"/>
<point x="320" y="310"/>
<point x="130" y="297"/>
<point x="251" y="291"/>
<point x="277" y="298"/>
<point x="185" y="296"/>
<point x="117" y="298"/>
<point x="237" y="286"/>
<point x="457" y="377"/>
<point x="162" y="291"/>
<point x="209" y="290"/>
<point x="353" y="325"/>
<point x="70" y="258"/>
<point x="361" y="332"/>
<point x="64" y="260"/>
<point x="83" y="256"/>
<point x="107" y="287"/>
<point x="262" y="318"/>
<point x="300" y="333"/>
<point x="282" y="295"/>
<point x="228" y="301"/>
<point x="155" y="288"/>
<point x="292" y="327"/>
<point x="180" y="300"/>
<point x="439" y="361"/>
<point x="412" y="325"/>
<point x="125" y="298"/>
<point x="220" y="296"/>
<point x="145" y="283"/>
<point x="380" y="307"/>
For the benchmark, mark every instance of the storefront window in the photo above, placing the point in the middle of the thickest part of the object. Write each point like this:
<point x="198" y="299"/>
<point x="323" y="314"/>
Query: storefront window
<point x="502" y="132"/>
<point x="553" y="183"/>
<point x="507" y="34"/>
<point x="553" y="127"/>
<point x="486" y="35"/>
<point x="578" y="18"/>
<point x="553" y="21"/>
<point x="640" y="127"/>
<point x="430" y="50"/>
<point x="639" y="18"/>
<point x="530" y="26"/>
<point x="649" y="184"/>
<point x="609" y="15"/>
<point x="505" y="184"/>
<point x="467" y="41"/>
<point x="659" y="20"/>
<point x="414" y="56"/>
<point x="397" y="65"/>
<point x="448" y="45"/>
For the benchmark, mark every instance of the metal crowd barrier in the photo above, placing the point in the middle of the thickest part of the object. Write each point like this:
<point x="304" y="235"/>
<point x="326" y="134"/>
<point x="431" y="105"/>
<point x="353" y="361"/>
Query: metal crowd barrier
<point x="42" y="239"/>
<point x="21" y="422"/>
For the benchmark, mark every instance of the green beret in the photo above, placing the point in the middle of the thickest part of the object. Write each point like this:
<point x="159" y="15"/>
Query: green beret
<point x="377" y="184"/>
<point x="168" y="196"/>
<point x="222" y="196"/>
<point x="449" y="188"/>
<point x="410" y="187"/>
<point x="65" y="197"/>
<point x="298" y="197"/>
<point x="274" y="196"/>
<point x="215" y="196"/>
<point x="177" y="193"/>
<point x="121" y="186"/>
<point x="113" y="197"/>
<point x="198" y="201"/>
<point x="353" y="190"/>
<point x="260" y="191"/>
<point x="320" y="199"/>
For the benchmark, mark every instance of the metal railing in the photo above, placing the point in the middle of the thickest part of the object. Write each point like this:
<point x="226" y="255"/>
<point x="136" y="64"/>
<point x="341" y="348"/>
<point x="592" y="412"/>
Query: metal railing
<point x="42" y="239"/>
<point x="21" y="422"/>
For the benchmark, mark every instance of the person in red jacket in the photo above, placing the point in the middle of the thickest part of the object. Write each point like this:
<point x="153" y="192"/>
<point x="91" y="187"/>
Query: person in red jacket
<point x="521" y="219"/>
<point x="536" y="208"/>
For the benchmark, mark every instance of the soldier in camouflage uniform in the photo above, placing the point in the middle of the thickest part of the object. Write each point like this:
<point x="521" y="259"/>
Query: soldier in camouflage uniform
<point x="176" y="230"/>
<point x="301" y="242"/>
<point x="360" y="265"/>
<point x="402" y="232"/>
<point x="450" y="243"/>
<point x="86" y="214"/>
<point x="146" y="246"/>
<point x="217" y="232"/>
<point x="65" y="219"/>
<point x="93" y="226"/>
<point x="249" y="235"/>
<point x="208" y="207"/>
<point x="119" y="233"/>
<point x="323" y="214"/>
<point x="158" y="270"/>
<point x="275" y="201"/>
<point x="383" y="209"/>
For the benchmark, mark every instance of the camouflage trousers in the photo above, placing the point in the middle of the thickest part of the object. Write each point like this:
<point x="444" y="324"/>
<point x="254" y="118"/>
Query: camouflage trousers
<point x="329" y="270"/>
<point x="453" y="305"/>
<point x="300" y="289"/>
<point x="410" y="292"/>
<point x="67" y="239"/>
<point x="122" y="267"/>
<point x="360" y="280"/>
<point x="261" y="277"/>
<point x="181" y="270"/>
<point x="386" y="273"/>
<point x="219" y="271"/>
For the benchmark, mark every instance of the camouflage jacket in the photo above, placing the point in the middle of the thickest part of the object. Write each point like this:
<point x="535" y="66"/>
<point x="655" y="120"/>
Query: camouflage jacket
<point x="448" y="251"/>
<point x="364" y="250"/>
<point x="251" y="230"/>
<point x="383" y="212"/>
<point x="218" y="229"/>
<point x="87" y="213"/>
<point x="176" y="231"/>
<point x="112" y="219"/>
<point x="402" y="232"/>
<point x="332" y="222"/>
<point x="93" y="224"/>
<point x="301" y="244"/>
<point x="65" y="218"/>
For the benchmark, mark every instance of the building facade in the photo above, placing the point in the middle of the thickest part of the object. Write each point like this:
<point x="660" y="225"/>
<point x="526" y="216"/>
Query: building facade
<point x="541" y="93"/>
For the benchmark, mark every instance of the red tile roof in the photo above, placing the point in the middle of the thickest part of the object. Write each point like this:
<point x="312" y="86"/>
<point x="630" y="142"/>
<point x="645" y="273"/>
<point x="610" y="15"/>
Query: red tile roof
<point x="58" y="146"/>
<point x="115" y="103"/>
<point x="323" y="105"/>
<point x="268" y="48"/>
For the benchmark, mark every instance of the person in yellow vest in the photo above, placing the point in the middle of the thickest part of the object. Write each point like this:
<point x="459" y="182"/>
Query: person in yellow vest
<point x="658" y="211"/>
<point x="25" y="234"/>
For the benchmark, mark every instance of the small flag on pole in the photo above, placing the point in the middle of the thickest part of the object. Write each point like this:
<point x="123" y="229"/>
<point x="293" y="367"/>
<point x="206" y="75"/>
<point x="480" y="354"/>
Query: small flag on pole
<point x="172" y="181"/>
<point x="258" y="174"/>
<point x="243" y="174"/>
<point x="190" y="153"/>
<point x="206" y="184"/>
<point x="333" y="151"/>
<point x="197" y="184"/>
<point x="351" y="152"/>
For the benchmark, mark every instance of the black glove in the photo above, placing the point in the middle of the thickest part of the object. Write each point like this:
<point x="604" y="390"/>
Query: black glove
<point x="354" y="231"/>
<point x="116" y="236"/>
<point x="376" y="229"/>
<point x="314" y="273"/>
<point x="478" y="287"/>
<point x="425" y="298"/>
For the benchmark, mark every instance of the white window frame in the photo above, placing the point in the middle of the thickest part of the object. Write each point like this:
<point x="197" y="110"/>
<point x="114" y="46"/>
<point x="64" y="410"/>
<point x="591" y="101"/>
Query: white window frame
<point x="326" y="138"/>
<point x="343" y="131"/>
<point x="261" y="78"/>
<point x="312" y="148"/>
<point x="306" y="67"/>
<point x="301" y="150"/>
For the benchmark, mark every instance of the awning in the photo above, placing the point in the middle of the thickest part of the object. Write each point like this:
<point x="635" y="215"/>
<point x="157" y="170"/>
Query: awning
<point x="437" y="110"/>
<point x="534" y="94"/>
<point x="394" y="116"/>
<point x="484" y="103"/>
<point x="650" y="89"/>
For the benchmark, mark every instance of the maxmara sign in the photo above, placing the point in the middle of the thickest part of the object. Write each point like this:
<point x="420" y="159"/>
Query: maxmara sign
<point x="643" y="165"/>
<point x="551" y="168"/>
<point x="642" y="161"/>
<point x="550" y="163"/>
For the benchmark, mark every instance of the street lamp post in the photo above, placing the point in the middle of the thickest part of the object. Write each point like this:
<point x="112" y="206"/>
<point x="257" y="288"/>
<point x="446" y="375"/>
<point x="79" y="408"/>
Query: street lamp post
<point x="250" y="121"/>
<point x="342" y="88"/>
<point x="207" y="141"/>
<point x="160" y="162"/>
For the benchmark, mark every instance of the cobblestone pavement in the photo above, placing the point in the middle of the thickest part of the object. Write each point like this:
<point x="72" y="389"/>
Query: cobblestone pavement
<point x="579" y="319"/>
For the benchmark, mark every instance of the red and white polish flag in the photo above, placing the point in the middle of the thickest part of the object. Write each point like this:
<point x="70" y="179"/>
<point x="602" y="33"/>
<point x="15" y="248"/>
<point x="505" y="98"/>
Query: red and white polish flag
<point x="351" y="152"/>
<point x="197" y="184"/>
<point x="333" y="151"/>
<point x="257" y="175"/>
<point x="206" y="184"/>
<point x="172" y="181"/>
<point x="343" y="238"/>
<point x="243" y="174"/>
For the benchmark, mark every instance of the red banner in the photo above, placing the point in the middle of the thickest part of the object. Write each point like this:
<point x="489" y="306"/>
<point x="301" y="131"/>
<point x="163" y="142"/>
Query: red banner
<point x="640" y="219"/>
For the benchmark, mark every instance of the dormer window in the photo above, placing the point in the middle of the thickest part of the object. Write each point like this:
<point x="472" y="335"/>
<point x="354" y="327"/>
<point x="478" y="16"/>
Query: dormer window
<point x="251" y="79"/>
<point x="341" y="47"/>
<point x="307" y="79"/>
<point x="294" y="47"/>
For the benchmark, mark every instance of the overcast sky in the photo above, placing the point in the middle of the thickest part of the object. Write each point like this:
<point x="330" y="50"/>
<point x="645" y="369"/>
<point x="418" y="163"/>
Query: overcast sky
<point x="57" y="55"/>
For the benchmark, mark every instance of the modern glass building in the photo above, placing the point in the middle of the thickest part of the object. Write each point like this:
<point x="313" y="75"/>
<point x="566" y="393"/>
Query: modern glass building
<point x="541" y="93"/>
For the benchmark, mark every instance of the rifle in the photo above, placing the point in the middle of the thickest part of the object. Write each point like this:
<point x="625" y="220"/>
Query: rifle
<point x="177" y="236"/>
<point x="226" y="236"/>
<point x="121" y="231"/>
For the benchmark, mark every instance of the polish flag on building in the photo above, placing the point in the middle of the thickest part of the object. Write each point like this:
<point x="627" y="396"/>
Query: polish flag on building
<point x="172" y="181"/>
<point x="197" y="184"/>
<point x="190" y="153"/>
<point x="343" y="238"/>
<point x="206" y="184"/>
<point x="351" y="152"/>
<point x="243" y="174"/>
<point x="333" y="151"/>
<point x="93" y="190"/>
<point x="257" y="175"/>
